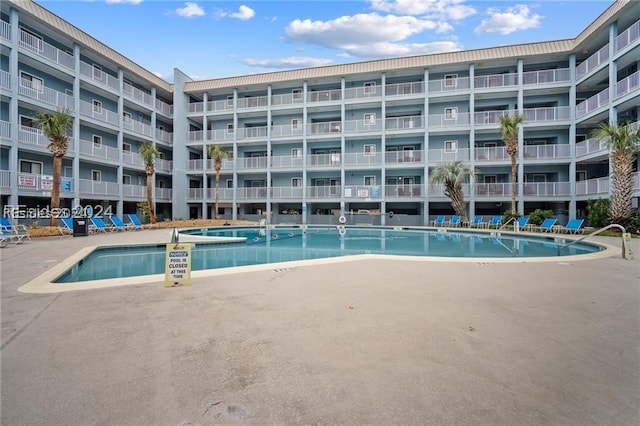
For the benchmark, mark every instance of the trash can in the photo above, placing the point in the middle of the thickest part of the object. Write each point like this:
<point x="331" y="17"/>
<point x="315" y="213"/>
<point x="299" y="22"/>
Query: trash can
<point x="80" y="226"/>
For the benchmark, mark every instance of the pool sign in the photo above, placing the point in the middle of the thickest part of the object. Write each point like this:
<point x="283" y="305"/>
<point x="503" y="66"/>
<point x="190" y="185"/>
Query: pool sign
<point x="178" y="265"/>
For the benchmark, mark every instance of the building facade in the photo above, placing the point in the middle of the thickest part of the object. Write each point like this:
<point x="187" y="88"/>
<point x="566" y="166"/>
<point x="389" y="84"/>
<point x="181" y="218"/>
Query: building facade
<point x="359" y="139"/>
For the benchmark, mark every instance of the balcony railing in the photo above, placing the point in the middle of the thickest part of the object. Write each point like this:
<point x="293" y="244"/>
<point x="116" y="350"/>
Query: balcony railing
<point x="362" y="92"/>
<point x="449" y="84"/>
<point x="628" y="84"/>
<point x="101" y="114"/>
<point x="533" y="115"/>
<point x="593" y="61"/>
<point x="405" y="89"/>
<point x="442" y="155"/>
<point x="285" y="192"/>
<point x="92" y="188"/>
<point x="98" y="76"/>
<point x="132" y="158"/>
<point x="223" y="193"/>
<point x="215" y="106"/>
<point x="590" y="146"/>
<point x="323" y="192"/>
<point x="593" y="103"/>
<point x="46" y="50"/>
<point x="195" y="193"/>
<point x="163" y="165"/>
<point x="134" y="191"/>
<point x="253" y="102"/>
<point x="362" y="191"/>
<point x="493" y="189"/>
<point x="362" y="159"/>
<point x="138" y="95"/>
<point x="495" y="81"/>
<point x="408" y="157"/>
<point x="447" y="120"/>
<point x="5" y="130"/>
<point x="286" y="162"/>
<point x="324" y="95"/>
<point x="164" y="136"/>
<point x="324" y="160"/>
<point x="163" y="193"/>
<point x="251" y="133"/>
<point x="136" y="126"/>
<point x="328" y="127"/>
<point x="251" y="163"/>
<point x="286" y="99"/>
<point x="409" y="122"/>
<point x="251" y="193"/>
<point x="5" y="177"/>
<point x="491" y="153"/>
<point x="5" y="30"/>
<point x="546" y="76"/>
<point x="45" y="94"/>
<point x="628" y="36"/>
<point x="598" y="186"/>
<point x="489" y="117"/>
<point x="99" y="151"/>
<point x="285" y="130"/>
<point x="404" y="191"/>
<point x="5" y="80"/>
<point x="34" y="136"/>
<point x="547" y="189"/>
<point x="362" y="126"/>
<point x="164" y="107"/>
<point x="549" y="151"/>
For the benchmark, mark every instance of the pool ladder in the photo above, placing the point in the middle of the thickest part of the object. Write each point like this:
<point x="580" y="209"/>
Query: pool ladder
<point x="626" y="250"/>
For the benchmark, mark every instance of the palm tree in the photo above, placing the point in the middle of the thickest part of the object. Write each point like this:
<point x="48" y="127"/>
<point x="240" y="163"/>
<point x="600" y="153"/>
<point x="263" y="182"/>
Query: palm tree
<point x="453" y="175"/>
<point x="509" y="130"/>
<point x="149" y="152"/>
<point x="623" y="143"/>
<point x="55" y="127"/>
<point x="217" y="153"/>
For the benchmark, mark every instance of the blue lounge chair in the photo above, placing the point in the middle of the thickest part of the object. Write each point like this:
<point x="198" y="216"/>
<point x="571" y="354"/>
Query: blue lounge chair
<point x="67" y="225"/>
<point x="133" y="218"/>
<point x="547" y="224"/>
<point x="98" y="225"/>
<point x="522" y="222"/>
<point x="118" y="224"/>
<point x="439" y="221"/>
<point x="574" y="226"/>
<point x="17" y="229"/>
<point x="455" y="220"/>
<point x="7" y="236"/>
<point x="476" y="222"/>
<point x="495" y="221"/>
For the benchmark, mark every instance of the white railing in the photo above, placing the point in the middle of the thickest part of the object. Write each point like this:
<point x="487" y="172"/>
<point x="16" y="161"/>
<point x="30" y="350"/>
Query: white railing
<point x="45" y="94"/>
<point x="32" y="136"/>
<point x="441" y="155"/>
<point x="195" y="165"/>
<point x="405" y="123"/>
<point x="549" y="151"/>
<point x="438" y="191"/>
<point x="195" y="193"/>
<point x="98" y="76"/>
<point x="444" y="120"/>
<point x="489" y="117"/>
<point x="593" y="61"/>
<point x="132" y="158"/>
<point x="591" y="145"/>
<point x="495" y="80"/>
<point x="286" y="192"/>
<point x="223" y="193"/>
<point x="362" y="191"/>
<point x="324" y="191"/>
<point x="325" y="128"/>
<point x="532" y="115"/>
<point x="141" y="127"/>
<point x="547" y="189"/>
<point x="628" y="36"/>
<point x="46" y="50"/>
<point x="259" y="132"/>
<point x="253" y="102"/>
<point x="363" y="92"/>
<point x="163" y="193"/>
<point x="404" y="157"/>
<point x="493" y="189"/>
<point x="164" y="136"/>
<point x="404" y="191"/>
<point x="324" y="160"/>
<point x="102" y="114"/>
<point x="404" y="89"/>
<point x="285" y="130"/>
<point x="29" y="181"/>
<point x="251" y="193"/>
<point x="163" y="165"/>
<point x="135" y="191"/>
<point x="286" y="99"/>
<point x="5" y="129"/>
<point x="91" y="187"/>
<point x="593" y="186"/>
<point x="5" y="30"/>
<point x="164" y="107"/>
<point x="138" y="95"/>
<point x="594" y="102"/>
<point x="215" y="106"/>
<point x="100" y="151"/>
<point x="5" y="177"/>
<point x="628" y="84"/>
<point x="449" y="84"/>
<point x="251" y="163"/>
<point x="491" y="153"/>
<point x="287" y="162"/>
<point x="362" y="126"/>
<point x="362" y="159"/>
<point x="196" y="107"/>
<point x="5" y="80"/>
<point x="324" y="95"/>
<point x="546" y="76"/>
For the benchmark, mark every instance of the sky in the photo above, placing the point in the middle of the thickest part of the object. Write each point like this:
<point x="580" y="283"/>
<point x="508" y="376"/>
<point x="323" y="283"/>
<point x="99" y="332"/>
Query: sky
<point x="212" y="39"/>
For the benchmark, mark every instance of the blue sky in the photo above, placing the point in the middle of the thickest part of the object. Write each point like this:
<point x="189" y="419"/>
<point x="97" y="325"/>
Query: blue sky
<point x="211" y="39"/>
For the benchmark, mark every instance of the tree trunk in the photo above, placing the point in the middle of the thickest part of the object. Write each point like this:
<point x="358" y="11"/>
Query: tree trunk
<point x="217" y="190"/>
<point x="458" y="203"/>
<point x="621" y="187"/>
<point x="55" y="191"/>
<point x="514" y="184"/>
<point x="152" y="212"/>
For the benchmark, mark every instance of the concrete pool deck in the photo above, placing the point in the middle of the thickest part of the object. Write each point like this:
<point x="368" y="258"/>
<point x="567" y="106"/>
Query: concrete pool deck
<point x="363" y="342"/>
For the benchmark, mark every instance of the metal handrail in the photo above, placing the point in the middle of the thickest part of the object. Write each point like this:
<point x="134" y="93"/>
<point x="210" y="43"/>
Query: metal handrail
<point x="512" y="218"/>
<point x="613" y="225"/>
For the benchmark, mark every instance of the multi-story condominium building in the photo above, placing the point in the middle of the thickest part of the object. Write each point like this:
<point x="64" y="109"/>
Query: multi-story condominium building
<point x="308" y="144"/>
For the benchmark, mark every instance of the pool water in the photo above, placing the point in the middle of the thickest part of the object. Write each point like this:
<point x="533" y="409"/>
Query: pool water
<point x="289" y="244"/>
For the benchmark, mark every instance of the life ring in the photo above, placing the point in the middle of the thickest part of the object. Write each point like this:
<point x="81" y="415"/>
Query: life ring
<point x="256" y="239"/>
<point x="342" y="231"/>
<point x="274" y="236"/>
<point x="291" y="234"/>
<point x="390" y="214"/>
<point x="342" y="219"/>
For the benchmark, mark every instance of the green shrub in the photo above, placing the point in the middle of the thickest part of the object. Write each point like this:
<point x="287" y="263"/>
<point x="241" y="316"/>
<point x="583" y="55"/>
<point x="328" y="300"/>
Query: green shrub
<point x="598" y="213"/>
<point x="508" y="215"/>
<point x="633" y="225"/>
<point x="538" y="216"/>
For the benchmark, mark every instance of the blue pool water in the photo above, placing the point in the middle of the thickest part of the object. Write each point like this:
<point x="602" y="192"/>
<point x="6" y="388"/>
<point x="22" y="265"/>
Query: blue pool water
<point x="288" y="244"/>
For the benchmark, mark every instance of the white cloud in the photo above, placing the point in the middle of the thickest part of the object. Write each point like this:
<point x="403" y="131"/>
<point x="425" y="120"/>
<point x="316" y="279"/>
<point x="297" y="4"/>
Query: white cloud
<point x="244" y="13"/>
<point x="190" y="10"/>
<point x="123" y="1"/>
<point x="512" y="19"/>
<point x="386" y="50"/>
<point x="433" y="9"/>
<point x="290" y="62"/>
<point x="357" y="29"/>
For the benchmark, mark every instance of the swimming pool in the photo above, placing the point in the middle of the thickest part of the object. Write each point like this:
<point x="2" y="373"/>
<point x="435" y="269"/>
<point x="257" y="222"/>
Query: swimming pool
<point x="278" y="244"/>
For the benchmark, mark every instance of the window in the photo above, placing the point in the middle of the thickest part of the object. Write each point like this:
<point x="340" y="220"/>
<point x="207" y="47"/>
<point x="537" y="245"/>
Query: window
<point x="97" y="72"/>
<point x="296" y="94"/>
<point x="450" y="113"/>
<point x="369" y="150"/>
<point x="97" y="107"/>
<point x="369" y="119"/>
<point x="230" y="183"/>
<point x="127" y="117"/>
<point x="296" y="182"/>
<point x="230" y="128"/>
<point x="230" y="101"/>
<point x="450" y="146"/>
<point x="30" y="167"/>
<point x="126" y="179"/>
<point x="296" y="153"/>
<point x="97" y="141"/>
<point x="451" y="80"/>
<point x="490" y="179"/>
<point x="68" y="172"/>
<point x="369" y="180"/>
<point x="370" y="87"/>
<point x="96" y="175"/>
<point x="31" y="82"/>
<point x="126" y="147"/>
<point x="27" y="123"/>
<point x="296" y="124"/>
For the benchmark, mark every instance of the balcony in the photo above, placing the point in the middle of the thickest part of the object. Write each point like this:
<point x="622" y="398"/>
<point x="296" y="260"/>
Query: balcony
<point x="90" y="188"/>
<point x="5" y="80"/>
<point x="163" y="193"/>
<point x="492" y="190"/>
<point x="286" y="162"/>
<point x="590" y="146"/>
<point x="249" y="163"/>
<point x="547" y="114"/>
<point x="163" y="165"/>
<point x="324" y="96"/>
<point x="286" y="99"/>
<point x="320" y="192"/>
<point x="213" y="106"/>
<point x="593" y="62"/>
<point x="363" y="191"/>
<point x="164" y="107"/>
<point x="132" y="158"/>
<point x="437" y="121"/>
<point x="493" y="153"/>
<point x="362" y="126"/>
<point x="325" y="128"/>
<point x="5" y="178"/>
<point x="195" y="193"/>
<point x="628" y="36"/>
<point x="324" y="160"/>
<point x="45" y="94"/>
<point x="404" y="123"/>
<point x="490" y="118"/>
<point x="88" y="148"/>
<point x="253" y="102"/>
<point x="593" y="103"/>
<point x="99" y="77"/>
<point x="598" y="186"/>
<point x="223" y="193"/>
<point x="45" y="50"/>
<point x="34" y="136"/>
<point x="164" y="136"/>
<point x="547" y="152"/>
<point x="136" y="126"/>
<point x="408" y="157"/>
<point x="35" y="182"/>
<point x="547" y="189"/>
<point x="139" y="95"/>
<point x="442" y="155"/>
<point x="252" y="193"/>
<point x="285" y="130"/>
<point x="628" y="84"/>
<point x="446" y="85"/>
<point x="362" y="159"/>
<point x="5" y="30"/>
<point x="561" y="75"/>
<point x="286" y="192"/>
<point x="5" y="130"/>
<point x="404" y="89"/>
<point x="360" y="93"/>
<point x="101" y="114"/>
<point x="404" y="191"/>
<point x="495" y="81"/>
<point x="134" y="191"/>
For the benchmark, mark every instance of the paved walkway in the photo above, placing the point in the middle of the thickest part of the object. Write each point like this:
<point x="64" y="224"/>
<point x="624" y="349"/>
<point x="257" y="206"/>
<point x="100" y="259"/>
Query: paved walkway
<point x="365" y="342"/>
